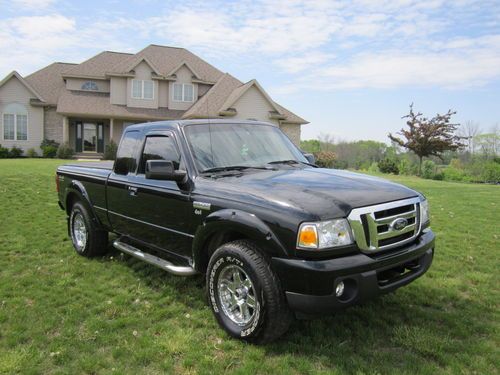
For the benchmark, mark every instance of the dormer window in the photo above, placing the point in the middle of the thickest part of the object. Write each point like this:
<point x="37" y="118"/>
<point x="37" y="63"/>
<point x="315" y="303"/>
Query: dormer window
<point x="183" y="92"/>
<point x="143" y="89"/>
<point x="90" y="86"/>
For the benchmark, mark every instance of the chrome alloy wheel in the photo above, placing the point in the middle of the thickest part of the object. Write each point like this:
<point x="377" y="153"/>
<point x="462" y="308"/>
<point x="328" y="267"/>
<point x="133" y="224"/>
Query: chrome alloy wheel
<point x="79" y="231"/>
<point x="236" y="294"/>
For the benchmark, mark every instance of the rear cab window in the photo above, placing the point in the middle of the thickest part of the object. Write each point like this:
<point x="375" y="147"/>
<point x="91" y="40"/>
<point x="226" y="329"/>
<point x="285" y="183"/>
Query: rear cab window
<point x="126" y="155"/>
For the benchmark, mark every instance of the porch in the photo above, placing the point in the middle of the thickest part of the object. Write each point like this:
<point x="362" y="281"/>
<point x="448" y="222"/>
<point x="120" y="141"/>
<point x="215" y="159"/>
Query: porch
<point x="89" y="136"/>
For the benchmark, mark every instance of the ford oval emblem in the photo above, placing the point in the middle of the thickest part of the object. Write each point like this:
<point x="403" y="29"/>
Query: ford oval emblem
<point x="399" y="224"/>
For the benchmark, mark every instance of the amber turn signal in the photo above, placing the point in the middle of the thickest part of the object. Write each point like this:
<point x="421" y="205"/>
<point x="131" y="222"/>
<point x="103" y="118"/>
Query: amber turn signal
<point x="308" y="237"/>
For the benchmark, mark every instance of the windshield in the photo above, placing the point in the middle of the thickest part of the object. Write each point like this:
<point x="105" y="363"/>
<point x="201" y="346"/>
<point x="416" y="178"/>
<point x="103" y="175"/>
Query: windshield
<point x="225" y="145"/>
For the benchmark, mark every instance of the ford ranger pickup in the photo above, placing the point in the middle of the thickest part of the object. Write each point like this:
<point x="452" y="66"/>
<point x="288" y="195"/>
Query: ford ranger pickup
<point x="275" y="236"/>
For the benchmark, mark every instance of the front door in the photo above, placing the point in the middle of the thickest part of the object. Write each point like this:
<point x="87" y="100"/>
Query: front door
<point x="89" y="137"/>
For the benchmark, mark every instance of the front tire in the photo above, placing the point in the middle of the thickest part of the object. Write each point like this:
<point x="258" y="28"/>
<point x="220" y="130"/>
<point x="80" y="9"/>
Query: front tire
<point x="88" y="240"/>
<point x="245" y="294"/>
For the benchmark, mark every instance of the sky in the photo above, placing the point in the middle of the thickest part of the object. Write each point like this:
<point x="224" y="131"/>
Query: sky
<point x="351" y="68"/>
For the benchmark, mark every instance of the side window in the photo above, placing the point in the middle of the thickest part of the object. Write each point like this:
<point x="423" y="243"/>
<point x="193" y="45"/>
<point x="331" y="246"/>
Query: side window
<point x="125" y="157"/>
<point x="159" y="148"/>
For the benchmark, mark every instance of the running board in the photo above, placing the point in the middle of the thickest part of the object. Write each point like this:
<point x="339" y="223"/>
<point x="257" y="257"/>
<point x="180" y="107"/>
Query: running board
<point x="154" y="260"/>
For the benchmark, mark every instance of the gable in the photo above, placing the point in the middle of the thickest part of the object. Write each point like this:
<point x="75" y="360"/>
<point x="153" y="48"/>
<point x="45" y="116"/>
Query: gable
<point x="13" y="90"/>
<point x="252" y="104"/>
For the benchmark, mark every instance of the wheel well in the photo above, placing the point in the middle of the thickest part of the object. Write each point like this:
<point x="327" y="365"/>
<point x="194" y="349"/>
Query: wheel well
<point x="71" y="199"/>
<point x="212" y="243"/>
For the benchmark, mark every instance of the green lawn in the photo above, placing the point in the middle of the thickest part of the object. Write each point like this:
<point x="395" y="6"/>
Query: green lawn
<point x="61" y="313"/>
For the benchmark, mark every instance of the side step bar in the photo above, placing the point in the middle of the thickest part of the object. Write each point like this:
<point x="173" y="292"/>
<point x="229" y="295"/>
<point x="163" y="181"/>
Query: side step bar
<point x="154" y="260"/>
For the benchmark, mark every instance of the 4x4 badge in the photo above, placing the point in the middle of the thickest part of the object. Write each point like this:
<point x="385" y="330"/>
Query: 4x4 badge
<point x="202" y="205"/>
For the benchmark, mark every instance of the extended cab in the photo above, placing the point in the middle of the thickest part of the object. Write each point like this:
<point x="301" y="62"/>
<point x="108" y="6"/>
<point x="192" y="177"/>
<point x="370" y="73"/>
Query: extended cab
<point x="237" y="201"/>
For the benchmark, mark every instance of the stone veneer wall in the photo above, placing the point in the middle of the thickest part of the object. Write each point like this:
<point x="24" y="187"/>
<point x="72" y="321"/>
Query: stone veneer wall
<point x="53" y="125"/>
<point x="292" y="131"/>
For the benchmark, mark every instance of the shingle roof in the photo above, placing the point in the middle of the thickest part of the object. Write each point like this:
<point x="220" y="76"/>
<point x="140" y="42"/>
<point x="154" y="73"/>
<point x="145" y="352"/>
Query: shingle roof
<point x="224" y="93"/>
<point x="210" y="104"/>
<point x="83" y="103"/>
<point x="166" y="59"/>
<point x="48" y="81"/>
<point x="99" y="65"/>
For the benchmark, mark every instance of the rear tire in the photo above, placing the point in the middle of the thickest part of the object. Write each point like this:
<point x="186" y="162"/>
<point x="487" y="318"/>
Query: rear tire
<point x="88" y="240"/>
<point x="245" y="294"/>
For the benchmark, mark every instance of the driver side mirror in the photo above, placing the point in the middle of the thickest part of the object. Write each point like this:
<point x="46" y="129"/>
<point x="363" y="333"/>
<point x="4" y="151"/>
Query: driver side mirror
<point x="163" y="170"/>
<point x="310" y="158"/>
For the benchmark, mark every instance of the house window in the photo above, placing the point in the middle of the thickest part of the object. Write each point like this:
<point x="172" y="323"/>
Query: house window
<point x="143" y="89"/>
<point x="15" y="123"/>
<point x="90" y="86"/>
<point x="183" y="92"/>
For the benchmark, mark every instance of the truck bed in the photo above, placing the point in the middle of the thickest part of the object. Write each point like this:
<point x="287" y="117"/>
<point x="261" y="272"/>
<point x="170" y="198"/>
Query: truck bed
<point x="108" y="165"/>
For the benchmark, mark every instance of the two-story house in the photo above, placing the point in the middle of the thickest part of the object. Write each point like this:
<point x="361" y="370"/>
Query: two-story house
<point x="89" y="104"/>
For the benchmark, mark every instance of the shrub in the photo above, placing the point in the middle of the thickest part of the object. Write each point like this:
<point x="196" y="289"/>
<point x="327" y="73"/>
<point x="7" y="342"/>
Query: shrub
<point x="15" y="152"/>
<point x="49" y="148"/>
<point x="65" y="152"/>
<point x="49" y="151"/>
<point x="110" y="151"/>
<point x="340" y="164"/>
<point x="373" y="168"/>
<point x="454" y="174"/>
<point x="4" y="152"/>
<point x="388" y="165"/>
<point x="484" y="171"/>
<point x="428" y="169"/>
<point x="31" y="153"/>
<point x="325" y="159"/>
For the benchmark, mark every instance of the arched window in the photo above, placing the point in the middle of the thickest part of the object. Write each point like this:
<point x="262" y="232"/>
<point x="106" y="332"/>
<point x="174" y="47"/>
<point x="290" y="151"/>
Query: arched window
<point x="90" y="86"/>
<point x="15" y="122"/>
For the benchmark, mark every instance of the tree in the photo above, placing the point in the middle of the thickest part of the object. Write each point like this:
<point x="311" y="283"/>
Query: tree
<point x="468" y="132"/>
<point x="428" y="137"/>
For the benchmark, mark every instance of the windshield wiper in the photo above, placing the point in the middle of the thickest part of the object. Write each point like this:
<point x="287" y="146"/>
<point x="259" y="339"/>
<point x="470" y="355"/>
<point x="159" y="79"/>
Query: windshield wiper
<point x="232" y="168"/>
<point x="291" y="161"/>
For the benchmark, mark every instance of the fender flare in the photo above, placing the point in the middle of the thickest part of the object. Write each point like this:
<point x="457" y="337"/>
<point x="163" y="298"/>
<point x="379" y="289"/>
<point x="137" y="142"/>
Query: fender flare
<point x="232" y="220"/>
<point x="76" y="187"/>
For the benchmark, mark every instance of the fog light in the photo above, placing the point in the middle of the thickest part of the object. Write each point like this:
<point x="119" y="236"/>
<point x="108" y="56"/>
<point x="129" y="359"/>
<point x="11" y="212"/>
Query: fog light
<point x="339" y="289"/>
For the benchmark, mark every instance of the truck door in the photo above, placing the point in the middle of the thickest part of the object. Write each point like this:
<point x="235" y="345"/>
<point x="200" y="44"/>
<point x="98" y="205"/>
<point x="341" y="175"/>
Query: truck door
<point x="118" y="193"/>
<point x="160" y="209"/>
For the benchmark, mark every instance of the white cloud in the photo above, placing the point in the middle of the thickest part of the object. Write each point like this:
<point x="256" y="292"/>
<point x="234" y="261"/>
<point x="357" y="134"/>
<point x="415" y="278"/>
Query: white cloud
<point x="32" y="4"/>
<point x="320" y="44"/>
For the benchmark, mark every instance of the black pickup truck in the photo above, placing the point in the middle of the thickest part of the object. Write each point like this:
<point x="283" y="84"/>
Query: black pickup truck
<point x="275" y="235"/>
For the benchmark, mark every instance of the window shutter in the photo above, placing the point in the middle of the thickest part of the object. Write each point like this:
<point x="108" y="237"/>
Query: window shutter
<point x="78" y="135"/>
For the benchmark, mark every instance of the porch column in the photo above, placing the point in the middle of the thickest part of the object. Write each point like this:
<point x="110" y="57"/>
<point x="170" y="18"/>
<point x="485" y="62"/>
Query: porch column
<point x="111" y="128"/>
<point x="65" y="130"/>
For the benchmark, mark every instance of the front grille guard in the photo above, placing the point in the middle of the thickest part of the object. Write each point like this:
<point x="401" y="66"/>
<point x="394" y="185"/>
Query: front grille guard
<point x="370" y="231"/>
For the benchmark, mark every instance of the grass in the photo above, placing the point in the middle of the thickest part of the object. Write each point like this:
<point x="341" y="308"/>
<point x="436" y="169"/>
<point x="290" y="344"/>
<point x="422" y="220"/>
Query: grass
<point x="64" y="314"/>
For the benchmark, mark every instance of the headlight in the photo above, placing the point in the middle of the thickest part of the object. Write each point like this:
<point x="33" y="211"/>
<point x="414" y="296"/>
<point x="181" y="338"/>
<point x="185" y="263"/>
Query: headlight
<point x="424" y="212"/>
<point x="324" y="234"/>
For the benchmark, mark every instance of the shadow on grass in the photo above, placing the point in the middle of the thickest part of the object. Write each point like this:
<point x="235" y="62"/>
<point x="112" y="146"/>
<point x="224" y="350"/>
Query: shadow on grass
<point x="416" y="326"/>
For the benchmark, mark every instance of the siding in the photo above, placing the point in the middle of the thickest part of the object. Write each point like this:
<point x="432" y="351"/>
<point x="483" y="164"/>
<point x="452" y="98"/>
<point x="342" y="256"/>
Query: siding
<point x="142" y="71"/>
<point x="76" y="84"/>
<point x="13" y="91"/>
<point x="162" y="94"/>
<point x="253" y="105"/>
<point x="118" y="93"/>
<point x="184" y="75"/>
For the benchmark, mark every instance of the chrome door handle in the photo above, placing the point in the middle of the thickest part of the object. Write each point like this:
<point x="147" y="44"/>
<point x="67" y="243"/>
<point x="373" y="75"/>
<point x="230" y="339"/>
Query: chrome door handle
<point x="132" y="191"/>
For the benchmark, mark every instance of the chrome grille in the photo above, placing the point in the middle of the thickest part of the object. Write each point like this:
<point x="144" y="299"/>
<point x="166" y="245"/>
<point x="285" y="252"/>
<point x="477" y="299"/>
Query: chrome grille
<point x="386" y="225"/>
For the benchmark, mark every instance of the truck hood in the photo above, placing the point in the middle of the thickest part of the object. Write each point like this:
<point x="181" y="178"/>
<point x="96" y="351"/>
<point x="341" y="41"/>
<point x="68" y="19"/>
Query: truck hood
<point x="322" y="193"/>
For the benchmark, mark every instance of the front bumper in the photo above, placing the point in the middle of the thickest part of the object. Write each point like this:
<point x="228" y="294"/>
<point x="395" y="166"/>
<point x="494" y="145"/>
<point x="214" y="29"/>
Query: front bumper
<point x="310" y="285"/>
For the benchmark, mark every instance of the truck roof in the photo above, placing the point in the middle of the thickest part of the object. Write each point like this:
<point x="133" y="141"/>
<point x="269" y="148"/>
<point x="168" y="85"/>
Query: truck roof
<point x="172" y="124"/>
